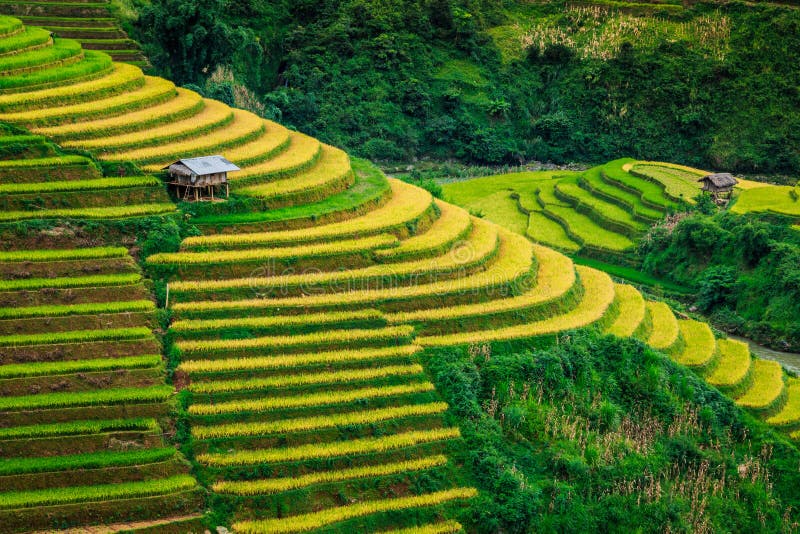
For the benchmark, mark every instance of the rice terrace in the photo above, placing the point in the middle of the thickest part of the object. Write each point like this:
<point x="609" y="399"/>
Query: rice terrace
<point x="399" y="267"/>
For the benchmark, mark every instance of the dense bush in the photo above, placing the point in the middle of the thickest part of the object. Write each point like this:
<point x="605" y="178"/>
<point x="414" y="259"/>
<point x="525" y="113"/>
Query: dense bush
<point x="599" y="434"/>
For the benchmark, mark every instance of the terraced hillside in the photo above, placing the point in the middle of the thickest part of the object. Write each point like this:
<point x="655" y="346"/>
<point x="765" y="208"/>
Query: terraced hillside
<point x="90" y="22"/>
<point x="83" y="402"/>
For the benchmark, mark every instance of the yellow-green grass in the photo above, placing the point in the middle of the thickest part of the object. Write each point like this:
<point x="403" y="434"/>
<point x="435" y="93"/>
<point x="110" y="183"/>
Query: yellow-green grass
<point x="593" y="181"/>
<point x="9" y="26"/>
<point x="789" y="416"/>
<point x="286" y="361"/>
<point x="598" y="297"/>
<point x="481" y="245"/>
<point x="317" y="422"/>
<point x="329" y="516"/>
<point x="91" y="460"/>
<point x="101" y="397"/>
<point x="408" y="203"/>
<point x="277" y="485"/>
<point x="309" y="400"/>
<point x="631" y="311"/>
<point x="53" y="161"/>
<point x="92" y="253"/>
<point x="699" y="344"/>
<point x="773" y="199"/>
<point x="513" y="261"/>
<point x="104" y="492"/>
<point x="445" y="527"/>
<point x="116" y="212"/>
<point x="154" y="90"/>
<point x="70" y="282"/>
<point x="554" y="278"/>
<point x="308" y="250"/>
<point x="583" y="229"/>
<point x="270" y="144"/>
<point x="605" y="213"/>
<point x="305" y="379"/>
<point x="650" y="193"/>
<point x="30" y="38"/>
<point x="92" y="308"/>
<point x="767" y="386"/>
<point x="185" y="103"/>
<point x="122" y="77"/>
<point x="80" y="185"/>
<point x="665" y="326"/>
<point x="74" y="336"/>
<point x="243" y="127"/>
<point x="679" y="182"/>
<point x="213" y="115"/>
<point x="301" y="152"/>
<point x="452" y="225"/>
<point x="333" y="164"/>
<point x="63" y="52"/>
<point x="545" y="230"/>
<point x="275" y="321"/>
<point x="25" y="370"/>
<point x="79" y="428"/>
<point x="92" y="65"/>
<point x="347" y="448"/>
<point x="734" y="364"/>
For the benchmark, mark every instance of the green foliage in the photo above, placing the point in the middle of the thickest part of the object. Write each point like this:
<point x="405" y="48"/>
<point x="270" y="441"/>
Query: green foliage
<point x="95" y="460"/>
<point x="600" y="431"/>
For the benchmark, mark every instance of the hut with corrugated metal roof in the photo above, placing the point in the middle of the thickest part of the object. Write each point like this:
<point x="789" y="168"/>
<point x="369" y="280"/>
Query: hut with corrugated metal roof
<point x="199" y="178"/>
<point x="719" y="184"/>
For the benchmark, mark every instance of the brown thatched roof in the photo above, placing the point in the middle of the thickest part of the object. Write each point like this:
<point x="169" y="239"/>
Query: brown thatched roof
<point x="720" y="179"/>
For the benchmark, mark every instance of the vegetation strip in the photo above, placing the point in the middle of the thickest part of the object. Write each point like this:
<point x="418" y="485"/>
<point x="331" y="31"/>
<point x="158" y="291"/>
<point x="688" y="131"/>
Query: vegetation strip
<point x="276" y="485"/>
<point x="65" y="310"/>
<point x="92" y="460"/>
<point x="201" y="325"/>
<point x="78" y="428"/>
<point x="64" y="255"/>
<point x="314" y="520"/>
<point x="24" y="370"/>
<point x="75" y="336"/>
<point x="87" y="398"/>
<point x="99" y="280"/>
<point x="328" y="377"/>
<point x="445" y="527"/>
<point x="76" y="494"/>
<point x="329" y="450"/>
<point x="108" y="212"/>
<point x="80" y="185"/>
<point x="308" y="400"/>
<point x="318" y="422"/>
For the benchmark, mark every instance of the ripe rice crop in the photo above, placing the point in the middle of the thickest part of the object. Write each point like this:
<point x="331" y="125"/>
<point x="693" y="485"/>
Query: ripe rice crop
<point x="304" y="379"/>
<point x="92" y="460"/>
<point x="75" y="336"/>
<point x="96" y="253"/>
<point x="153" y="89"/>
<point x="318" y="422"/>
<point x="453" y="224"/>
<point x="80" y="185"/>
<point x="213" y="115"/>
<point x="631" y="313"/>
<point x="332" y="165"/>
<point x="679" y="182"/>
<point x="105" y="492"/>
<point x="790" y="415"/>
<point x="665" y="326"/>
<point x="329" y="450"/>
<point x="308" y="400"/>
<point x="296" y="360"/>
<point x="773" y="199"/>
<point x="700" y="344"/>
<point x="445" y="527"/>
<point x="346" y="337"/>
<point x="245" y="126"/>
<point x="767" y="385"/>
<point x="87" y="398"/>
<point x="73" y="428"/>
<point x="277" y="485"/>
<point x="407" y="204"/>
<point x="185" y="103"/>
<point x="302" y="152"/>
<point x="116" y="212"/>
<point x="22" y="370"/>
<point x="597" y="298"/>
<point x="121" y="77"/>
<point x="91" y="308"/>
<point x="265" y="254"/>
<point x="71" y="282"/>
<point x="734" y="363"/>
<point x="271" y="143"/>
<point x="15" y="164"/>
<point x="314" y="520"/>
<point x="201" y="325"/>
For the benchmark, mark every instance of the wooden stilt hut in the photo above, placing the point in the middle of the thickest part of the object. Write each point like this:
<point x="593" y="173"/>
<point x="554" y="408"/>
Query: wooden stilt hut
<point x="195" y="179"/>
<point x="720" y="185"/>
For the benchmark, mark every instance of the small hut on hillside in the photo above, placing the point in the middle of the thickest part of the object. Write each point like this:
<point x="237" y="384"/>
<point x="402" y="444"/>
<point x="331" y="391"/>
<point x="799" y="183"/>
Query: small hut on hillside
<point x="720" y="185"/>
<point x="198" y="178"/>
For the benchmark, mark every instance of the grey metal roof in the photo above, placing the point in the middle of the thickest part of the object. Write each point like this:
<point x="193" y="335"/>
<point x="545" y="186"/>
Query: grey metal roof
<point x="720" y="179"/>
<point x="207" y="165"/>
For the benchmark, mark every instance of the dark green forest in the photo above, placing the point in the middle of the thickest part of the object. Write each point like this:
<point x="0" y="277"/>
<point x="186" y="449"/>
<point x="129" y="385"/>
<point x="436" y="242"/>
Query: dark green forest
<point x="497" y="82"/>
